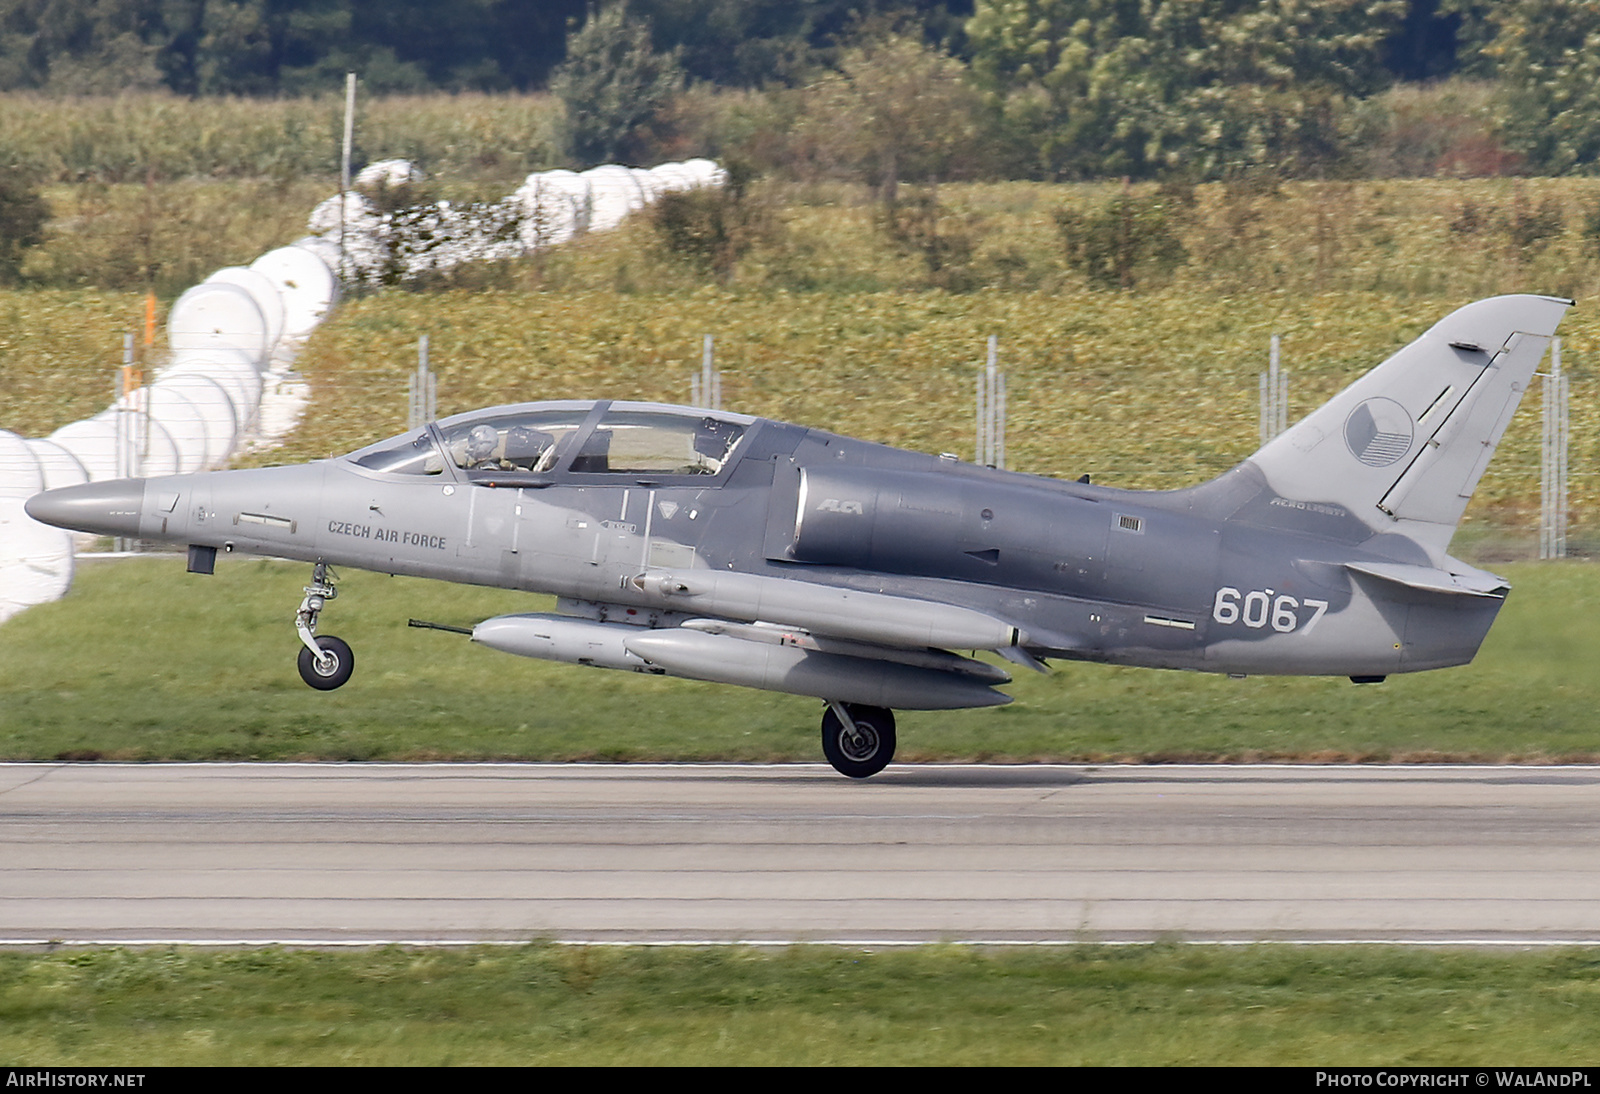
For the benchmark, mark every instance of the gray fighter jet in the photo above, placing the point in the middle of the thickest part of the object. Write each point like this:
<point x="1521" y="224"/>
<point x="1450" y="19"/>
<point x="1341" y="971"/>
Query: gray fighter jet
<point x="740" y="550"/>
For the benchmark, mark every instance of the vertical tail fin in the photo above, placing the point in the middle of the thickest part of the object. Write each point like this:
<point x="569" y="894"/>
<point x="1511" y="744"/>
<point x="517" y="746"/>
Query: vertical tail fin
<point x="1403" y="448"/>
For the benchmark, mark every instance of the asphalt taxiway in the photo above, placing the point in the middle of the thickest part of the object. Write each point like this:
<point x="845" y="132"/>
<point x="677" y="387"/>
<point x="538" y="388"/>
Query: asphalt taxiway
<point x="361" y="853"/>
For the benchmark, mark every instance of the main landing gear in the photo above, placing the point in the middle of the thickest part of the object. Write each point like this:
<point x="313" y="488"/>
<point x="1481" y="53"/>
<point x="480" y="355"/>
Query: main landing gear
<point x="326" y="662"/>
<point x="858" y="740"/>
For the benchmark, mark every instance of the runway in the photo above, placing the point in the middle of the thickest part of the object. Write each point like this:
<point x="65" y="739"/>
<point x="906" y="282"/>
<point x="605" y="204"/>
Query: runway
<point x="357" y="853"/>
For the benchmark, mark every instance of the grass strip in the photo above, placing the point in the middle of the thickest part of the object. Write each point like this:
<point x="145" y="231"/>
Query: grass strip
<point x="547" y="1004"/>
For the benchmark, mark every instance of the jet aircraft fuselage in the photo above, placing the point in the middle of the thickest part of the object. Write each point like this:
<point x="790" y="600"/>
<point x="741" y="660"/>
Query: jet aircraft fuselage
<point x="723" y="547"/>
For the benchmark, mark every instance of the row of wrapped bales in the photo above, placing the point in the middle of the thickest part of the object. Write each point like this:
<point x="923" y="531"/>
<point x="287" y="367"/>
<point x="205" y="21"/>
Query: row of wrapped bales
<point x="554" y="206"/>
<point x="549" y="208"/>
<point x="233" y="337"/>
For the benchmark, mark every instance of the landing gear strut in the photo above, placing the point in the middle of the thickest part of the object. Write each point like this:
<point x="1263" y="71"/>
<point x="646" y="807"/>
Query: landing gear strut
<point x="858" y="740"/>
<point x="325" y="663"/>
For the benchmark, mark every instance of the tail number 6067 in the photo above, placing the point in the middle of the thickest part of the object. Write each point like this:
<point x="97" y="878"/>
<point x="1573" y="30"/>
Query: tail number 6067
<point x="1262" y="607"/>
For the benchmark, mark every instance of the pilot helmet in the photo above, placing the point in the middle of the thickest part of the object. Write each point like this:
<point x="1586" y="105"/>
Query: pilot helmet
<point x="481" y="442"/>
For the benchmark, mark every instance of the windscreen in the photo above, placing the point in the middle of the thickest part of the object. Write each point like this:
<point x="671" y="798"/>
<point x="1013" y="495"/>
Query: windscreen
<point x="412" y="454"/>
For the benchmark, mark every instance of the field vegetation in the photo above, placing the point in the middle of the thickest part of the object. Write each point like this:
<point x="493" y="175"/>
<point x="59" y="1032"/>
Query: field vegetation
<point x="161" y="138"/>
<point x="541" y="1004"/>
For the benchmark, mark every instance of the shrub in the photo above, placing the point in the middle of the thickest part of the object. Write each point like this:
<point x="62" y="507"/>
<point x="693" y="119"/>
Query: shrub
<point x="614" y="86"/>
<point x="23" y="213"/>
<point x="1126" y="240"/>
<point x="712" y="228"/>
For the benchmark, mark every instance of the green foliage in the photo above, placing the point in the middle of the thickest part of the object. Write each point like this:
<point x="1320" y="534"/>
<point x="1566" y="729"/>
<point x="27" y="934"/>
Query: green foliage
<point x="1548" y="63"/>
<point x="1128" y="240"/>
<point x="714" y="227"/>
<point x="1446" y="128"/>
<point x="81" y="47"/>
<point x="921" y="225"/>
<point x="167" y="237"/>
<point x="1523" y="229"/>
<point x="1119" y="87"/>
<point x="58" y="350"/>
<point x="23" y="213"/>
<point x="1149" y="1005"/>
<point x="894" y="108"/>
<point x="743" y="43"/>
<point x="263" y="47"/>
<point x="614" y="86"/>
<point x="1475" y="31"/>
<point x="159" y="137"/>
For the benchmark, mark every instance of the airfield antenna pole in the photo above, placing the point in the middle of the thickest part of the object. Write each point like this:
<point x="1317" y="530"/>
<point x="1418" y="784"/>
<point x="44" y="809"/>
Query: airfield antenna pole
<point x="1553" y="485"/>
<point x="980" y="441"/>
<point x="1544" y="459"/>
<point x="710" y="383"/>
<point x="1274" y="390"/>
<point x="424" y="389"/>
<point x="344" y="166"/>
<point x="133" y="423"/>
<point x="705" y="387"/>
<point x="989" y="370"/>
<point x="1000" y="424"/>
<point x="990" y="445"/>
<point x="1561" y="453"/>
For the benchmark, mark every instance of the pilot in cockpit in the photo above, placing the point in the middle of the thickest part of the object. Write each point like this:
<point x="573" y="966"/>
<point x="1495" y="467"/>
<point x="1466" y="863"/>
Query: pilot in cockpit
<point x="517" y="449"/>
<point x="482" y="441"/>
<point x="714" y="440"/>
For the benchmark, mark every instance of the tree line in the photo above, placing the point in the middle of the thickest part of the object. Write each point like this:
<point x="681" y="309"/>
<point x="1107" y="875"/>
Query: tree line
<point x="253" y="47"/>
<point x="920" y="89"/>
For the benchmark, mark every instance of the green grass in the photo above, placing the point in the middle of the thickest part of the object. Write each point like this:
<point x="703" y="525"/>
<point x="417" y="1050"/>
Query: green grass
<point x="1264" y="1005"/>
<point x="144" y="662"/>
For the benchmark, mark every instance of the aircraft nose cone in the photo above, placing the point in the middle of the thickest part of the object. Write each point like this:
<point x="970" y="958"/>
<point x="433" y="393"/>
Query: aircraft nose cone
<point x="107" y="508"/>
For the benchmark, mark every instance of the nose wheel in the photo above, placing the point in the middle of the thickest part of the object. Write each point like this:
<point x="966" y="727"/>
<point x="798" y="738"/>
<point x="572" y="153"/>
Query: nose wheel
<point x="331" y="668"/>
<point x="858" y="740"/>
<point x="325" y="662"/>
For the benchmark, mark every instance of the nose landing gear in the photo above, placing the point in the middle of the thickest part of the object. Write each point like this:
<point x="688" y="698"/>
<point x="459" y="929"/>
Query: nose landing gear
<point x="326" y="662"/>
<point x="858" y="740"/>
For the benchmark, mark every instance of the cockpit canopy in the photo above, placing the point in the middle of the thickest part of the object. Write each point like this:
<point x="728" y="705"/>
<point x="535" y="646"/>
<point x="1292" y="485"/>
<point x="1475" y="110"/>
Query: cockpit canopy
<point x="546" y="441"/>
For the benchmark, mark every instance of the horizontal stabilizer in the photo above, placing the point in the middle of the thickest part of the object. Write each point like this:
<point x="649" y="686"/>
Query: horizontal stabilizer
<point x="1471" y="582"/>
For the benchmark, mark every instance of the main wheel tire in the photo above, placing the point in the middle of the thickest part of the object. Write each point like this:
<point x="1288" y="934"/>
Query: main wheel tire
<point x="325" y="675"/>
<point x="865" y="754"/>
